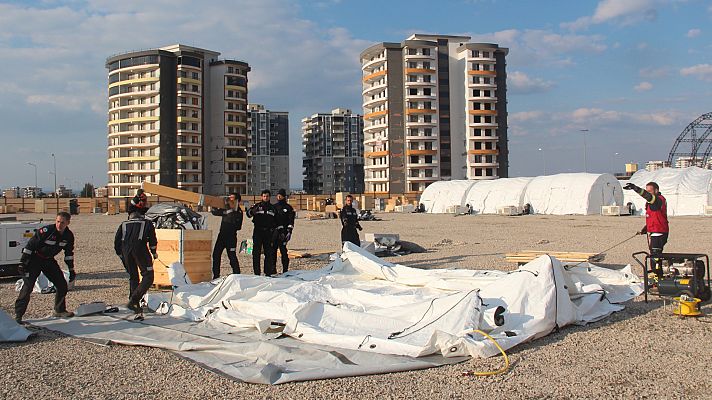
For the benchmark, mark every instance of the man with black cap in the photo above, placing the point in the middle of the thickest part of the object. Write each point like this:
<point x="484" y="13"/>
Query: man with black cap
<point x="263" y="216"/>
<point x="230" y="224"/>
<point x="135" y="242"/>
<point x="138" y="203"/>
<point x="283" y="232"/>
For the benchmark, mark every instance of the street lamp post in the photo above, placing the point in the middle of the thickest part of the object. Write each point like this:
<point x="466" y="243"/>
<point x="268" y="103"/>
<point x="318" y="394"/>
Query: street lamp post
<point x="54" y="161"/>
<point x="34" y="165"/>
<point x="613" y="159"/>
<point x="543" y="159"/>
<point x="585" y="160"/>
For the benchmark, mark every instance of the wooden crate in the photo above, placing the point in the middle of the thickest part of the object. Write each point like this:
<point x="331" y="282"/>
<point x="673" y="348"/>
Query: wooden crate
<point x="40" y="206"/>
<point x="191" y="248"/>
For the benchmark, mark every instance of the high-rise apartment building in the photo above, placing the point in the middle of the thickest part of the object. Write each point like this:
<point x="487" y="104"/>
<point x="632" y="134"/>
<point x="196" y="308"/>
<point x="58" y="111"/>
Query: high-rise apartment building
<point x="333" y="152"/>
<point x="268" y="150"/>
<point x="435" y="108"/>
<point x="177" y="117"/>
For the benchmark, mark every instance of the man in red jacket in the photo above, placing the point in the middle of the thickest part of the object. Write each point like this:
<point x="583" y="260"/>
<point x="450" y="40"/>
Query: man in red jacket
<point x="656" y="222"/>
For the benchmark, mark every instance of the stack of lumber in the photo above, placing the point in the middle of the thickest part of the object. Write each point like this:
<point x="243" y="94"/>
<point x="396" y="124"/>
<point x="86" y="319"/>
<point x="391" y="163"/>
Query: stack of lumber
<point x="526" y="256"/>
<point x="304" y="254"/>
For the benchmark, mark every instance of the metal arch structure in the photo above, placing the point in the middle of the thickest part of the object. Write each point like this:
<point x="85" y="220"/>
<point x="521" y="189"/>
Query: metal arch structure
<point x="697" y="134"/>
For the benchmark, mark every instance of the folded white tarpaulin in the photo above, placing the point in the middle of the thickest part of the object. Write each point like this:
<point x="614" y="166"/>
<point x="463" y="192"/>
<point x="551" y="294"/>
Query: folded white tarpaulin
<point x="11" y="331"/>
<point x="687" y="190"/>
<point x="362" y="315"/>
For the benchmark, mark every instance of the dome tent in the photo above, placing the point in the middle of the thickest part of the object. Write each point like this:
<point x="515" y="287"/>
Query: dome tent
<point x="487" y="196"/>
<point x="440" y="195"/>
<point x="687" y="190"/>
<point x="574" y="193"/>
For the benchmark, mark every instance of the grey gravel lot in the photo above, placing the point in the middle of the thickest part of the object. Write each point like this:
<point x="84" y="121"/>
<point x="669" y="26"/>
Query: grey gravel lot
<point x="641" y="352"/>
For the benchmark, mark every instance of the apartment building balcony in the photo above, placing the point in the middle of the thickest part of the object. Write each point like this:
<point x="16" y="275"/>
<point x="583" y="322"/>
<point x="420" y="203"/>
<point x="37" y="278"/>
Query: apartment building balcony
<point x="374" y="75"/>
<point x="482" y="112"/>
<point x="135" y="93"/>
<point x="375" y="88"/>
<point x="136" y="68"/>
<point x="376" y="127"/>
<point x="432" y="83"/>
<point x="421" y="152"/>
<point x="137" y="106"/>
<point x="489" y="60"/>
<point x="411" y="165"/>
<point x="485" y="86"/>
<point x="373" y="64"/>
<point x="483" y="164"/>
<point x="376" y="179"/>
<point x="423" y="178"/>
<point x="372" y="103"/>
<point x="493" y="125"/>
<point x="375" y="114"/>
<point x="135" y="81"/>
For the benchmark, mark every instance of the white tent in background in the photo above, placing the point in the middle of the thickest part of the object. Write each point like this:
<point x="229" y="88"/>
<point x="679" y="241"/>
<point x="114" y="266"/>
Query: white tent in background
<point x="577" y="193"/>
<point x="440" y="195"/>
<point x="487" y="196"/>
<point x="687" y="190"/>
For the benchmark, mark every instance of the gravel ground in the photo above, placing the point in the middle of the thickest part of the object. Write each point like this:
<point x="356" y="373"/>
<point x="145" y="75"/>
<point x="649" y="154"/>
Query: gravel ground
<point x="641" y="352"/>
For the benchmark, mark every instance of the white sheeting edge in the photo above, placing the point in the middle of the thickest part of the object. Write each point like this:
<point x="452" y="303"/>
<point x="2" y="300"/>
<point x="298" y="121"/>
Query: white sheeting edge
<point x="11" y="331"/>
<point x="366" y="307"/>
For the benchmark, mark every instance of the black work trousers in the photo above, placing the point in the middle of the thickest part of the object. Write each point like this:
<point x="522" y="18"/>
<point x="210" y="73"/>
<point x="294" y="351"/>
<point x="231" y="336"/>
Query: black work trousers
<point x="262" y="244"/>
<point x="226" y="241"/>
<point x="656" y="244"/>
<point x="51" y="270"/>
<point x="278" y="243"/>
<point x="135" y="262"/>
<point x="349" y="234"/>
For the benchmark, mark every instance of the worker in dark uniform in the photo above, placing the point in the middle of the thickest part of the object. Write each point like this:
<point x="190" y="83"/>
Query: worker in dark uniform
<point x="38" y="257"/>
<point x="656" y="222"/>
<point x="283" y="231"/>
<point x="263" y="216"/>
<point x="227" y="238"/>
<point x="135" y="242"/>
<point x="138" y="203"/>
<point x="349" y="222"/>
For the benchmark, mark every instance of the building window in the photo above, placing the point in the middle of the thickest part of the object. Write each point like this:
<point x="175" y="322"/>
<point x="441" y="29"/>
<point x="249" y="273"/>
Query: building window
<point x="426" y="52"/>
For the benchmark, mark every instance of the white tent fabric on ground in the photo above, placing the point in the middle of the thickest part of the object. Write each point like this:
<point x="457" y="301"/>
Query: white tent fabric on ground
<point x="42" y="284"/>
<point x="362" y="315"/>
<point x="577" y="193"/>
<point x="440" y="195"/>
<point x="487" y="196"/>
<point x="11" y="331"/>
<point x="687" y="190"/>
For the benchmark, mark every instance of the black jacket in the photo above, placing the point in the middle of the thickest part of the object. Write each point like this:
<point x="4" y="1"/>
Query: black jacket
<point x="133" y="235"/>
<point x="285" y="215"/>
<point x="47" y="242"/>
<point x="263" y="215"/>
<point x="231" y="219"/>
<point x="349" y="217"/>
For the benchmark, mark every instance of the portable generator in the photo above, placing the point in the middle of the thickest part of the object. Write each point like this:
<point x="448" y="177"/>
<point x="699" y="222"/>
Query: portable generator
<point x="675" y="275"/>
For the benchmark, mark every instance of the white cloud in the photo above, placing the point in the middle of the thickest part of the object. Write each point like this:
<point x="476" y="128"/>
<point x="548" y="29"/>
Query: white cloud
<point x="535" y="46"/>
<point x="521" y="83"/>
<point x="624" y="12"/>
<point x="524" y="116"/>
<point x="650" y="72"/>
<point x="693" y="33"/>
<point x="699" y="71"/>
<point x="643" y="86"/>
<point x="642" y="46"/>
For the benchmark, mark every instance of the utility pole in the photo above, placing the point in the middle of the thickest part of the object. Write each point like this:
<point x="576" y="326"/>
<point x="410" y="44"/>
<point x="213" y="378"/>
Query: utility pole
<point x="54" y="160"/>
<point x="34" y="165"/>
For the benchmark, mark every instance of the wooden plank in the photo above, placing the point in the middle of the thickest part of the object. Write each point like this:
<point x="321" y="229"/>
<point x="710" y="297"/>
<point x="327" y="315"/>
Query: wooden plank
<point x="183" y="195"/>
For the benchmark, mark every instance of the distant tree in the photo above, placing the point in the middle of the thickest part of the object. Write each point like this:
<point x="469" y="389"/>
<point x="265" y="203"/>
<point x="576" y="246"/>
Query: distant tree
<point x="88" y="190"/>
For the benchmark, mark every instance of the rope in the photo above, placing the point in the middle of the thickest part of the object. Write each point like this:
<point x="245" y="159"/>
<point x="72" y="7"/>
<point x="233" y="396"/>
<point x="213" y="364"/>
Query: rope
<point x="599" y="253"/>
<point x="500" y="371"/>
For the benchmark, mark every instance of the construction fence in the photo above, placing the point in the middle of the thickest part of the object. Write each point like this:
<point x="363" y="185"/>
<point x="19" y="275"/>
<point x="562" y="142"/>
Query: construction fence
<point x="102" y="205"/>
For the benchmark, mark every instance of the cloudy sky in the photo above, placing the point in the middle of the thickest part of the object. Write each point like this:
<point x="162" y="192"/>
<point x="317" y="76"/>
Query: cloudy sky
<point x="632" y="72"/>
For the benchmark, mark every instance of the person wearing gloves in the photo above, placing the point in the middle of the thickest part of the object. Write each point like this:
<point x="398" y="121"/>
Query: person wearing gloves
<point x="135" y="242"/>
<point x="656" y="222"/>
<point x="230" y="224"/>
<point x="349" y="222"/>
<point x="38" y="257"/>
<point x="263" y="216"/>
<point x="138" y="203"/>
<point x="283" y="232"/>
